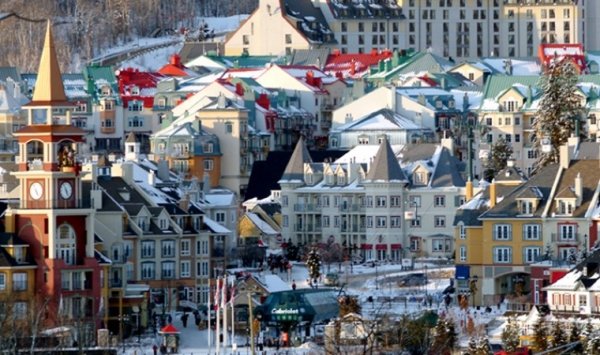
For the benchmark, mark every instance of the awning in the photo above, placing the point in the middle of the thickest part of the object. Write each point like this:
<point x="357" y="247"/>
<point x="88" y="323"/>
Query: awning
<point x="366" y="246"/>
<point x="381" y="247"/>
<point x="396" y="246"/>
<point x="463" y="272"/>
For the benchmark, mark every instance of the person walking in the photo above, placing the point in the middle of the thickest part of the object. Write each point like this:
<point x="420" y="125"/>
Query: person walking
<point x="184" y="319"/>
<point x="294" y="285"/>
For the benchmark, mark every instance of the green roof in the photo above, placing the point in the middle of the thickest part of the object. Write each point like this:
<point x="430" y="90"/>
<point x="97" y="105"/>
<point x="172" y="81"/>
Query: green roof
<point x="246" y="61"/>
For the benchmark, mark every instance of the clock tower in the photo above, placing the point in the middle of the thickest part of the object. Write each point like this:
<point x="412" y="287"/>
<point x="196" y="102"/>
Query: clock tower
<point x="53" y="216"/>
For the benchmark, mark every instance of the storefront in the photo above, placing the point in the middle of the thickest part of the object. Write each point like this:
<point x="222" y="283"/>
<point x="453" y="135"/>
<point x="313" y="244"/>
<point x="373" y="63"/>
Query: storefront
<point x="297" y="311"/>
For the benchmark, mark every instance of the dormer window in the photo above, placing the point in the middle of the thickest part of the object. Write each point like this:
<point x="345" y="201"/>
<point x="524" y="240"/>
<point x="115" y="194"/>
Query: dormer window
<point x="565" y="207"/>
<point x="135" y="90"/>
<point x="105" y="91"/>
<point x="526" y="207"/>
<point x="163" y="224"/>
<point x="451" y="104"/>
<point x="363" y="140"/>
<point x="330" y="179"/>
<point x="19" y="254"/>
<point x="510" y="106"/>
<point x="309" y="178"/>
<point x="341" y="179"/>
<point x="420" y="178"/>
<point x="438" y="104"/>
<point x="143" y="223"/>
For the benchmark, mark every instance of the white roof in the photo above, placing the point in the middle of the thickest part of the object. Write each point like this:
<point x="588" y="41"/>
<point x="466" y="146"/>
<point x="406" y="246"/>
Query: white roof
<point x="260" y="224"/>
<point x="273" y="283"/>
<point x="362" y="154"/>
<point x="519" y="67"/>
<point x="215" y="227"/>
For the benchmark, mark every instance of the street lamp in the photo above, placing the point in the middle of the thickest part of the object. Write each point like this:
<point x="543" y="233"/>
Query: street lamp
<point x="473" y="287"/>
<point x="136" y="310"/>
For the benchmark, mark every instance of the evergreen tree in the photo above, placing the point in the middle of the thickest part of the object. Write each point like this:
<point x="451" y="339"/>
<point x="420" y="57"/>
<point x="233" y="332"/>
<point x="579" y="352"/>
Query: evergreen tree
<point x="574" y="336"/>
<point x="540" y="335"/>
<point x="483" y="346"/>
<point x="586" y="333"/>
<point x="445" y="337"/>
<point x="593" y="344"/>
<point x="313" y="262"/>
<point x="559" y="111"/>
<point x="499" y="155"/>
<point x="559" y="336"/>
<point x="472" y="346"/>
<point x="510" y="335"/>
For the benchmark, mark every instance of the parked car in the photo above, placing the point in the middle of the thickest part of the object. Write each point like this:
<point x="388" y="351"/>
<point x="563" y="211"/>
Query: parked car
<point x="418" y="279"/>
<point x="331" y="279"/>
<point x="372" y="263"/>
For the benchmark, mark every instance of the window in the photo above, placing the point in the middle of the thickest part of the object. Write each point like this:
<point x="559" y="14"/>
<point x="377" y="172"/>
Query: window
<point x="416" y="222"/>
<point x="582" y="300"/>
<point x="2" y="281"/>
<point x="395" y="201"/>
<point x="202" y="268"/>
<point x="502" y="255"/>
<point x="462" y="232"/>
<point x="531" y="254"/>
<point x="463" y="253"/>
<point x="168" y="248"/>
<point x="185" y="269"/>
<point x="220" y="217"/>
<point x="185" y="247"/>
<point x="344" y="26"/>
<point x="567" y="231"/>
<point x="208" y="164"/>
<point x="228" y="127"/>
<point x="147" y="249"/>
<point x="438" y="245"/>
<point x="532" y="231"/>
<point x="19" y="280"/>
<point x="326" y="222"/>
<point x="65" y="247"/>
<point x="168" y="269"/>
<point x="440" y="221"/>
<point x="148" y="270"/>
<point x="564" y="207"/>
<point x="288" y="39"/>
<point x="369" y="222"/>
<point x="202" y="247"/>
<point x="381" y="222"/>
<point x="381" y="201"/>
<point x="526" y="207"/>
<point x="395" y="221"/>
<point x="502" y="232"/>
<point x="414" y="201"/>
<point x="439" y="201"/>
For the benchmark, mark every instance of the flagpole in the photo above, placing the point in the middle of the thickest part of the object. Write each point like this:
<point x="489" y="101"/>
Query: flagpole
<point x="208" y="316"/>
<point x="232" y="301"/>
<point x="218" y="331"/>
<point x="224" y="307"/>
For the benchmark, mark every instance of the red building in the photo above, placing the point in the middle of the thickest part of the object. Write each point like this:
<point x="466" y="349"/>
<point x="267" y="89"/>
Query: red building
<point x="53" y="216"/>
<point x="549" y="52"/>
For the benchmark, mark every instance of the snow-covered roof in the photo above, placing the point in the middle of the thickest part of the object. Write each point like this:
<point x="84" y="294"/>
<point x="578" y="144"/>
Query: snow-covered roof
<point x="519" y="67"/>
<point x="215" y="227"/>
<point x="264" y="227"/>
<point x="272" y="283"/>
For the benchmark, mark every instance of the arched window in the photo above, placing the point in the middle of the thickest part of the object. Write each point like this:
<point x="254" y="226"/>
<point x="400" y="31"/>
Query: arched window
<point x="35" y="150"/>
<point x="66" y="244"/>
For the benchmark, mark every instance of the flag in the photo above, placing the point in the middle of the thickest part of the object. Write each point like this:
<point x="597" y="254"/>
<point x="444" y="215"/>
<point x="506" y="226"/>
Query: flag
<point x="217" y="293"/>
<point x="232" y="296"/>
<point x="223" y="292"/>
<point x="60" y="305"/>
<point x="101" y="307"/>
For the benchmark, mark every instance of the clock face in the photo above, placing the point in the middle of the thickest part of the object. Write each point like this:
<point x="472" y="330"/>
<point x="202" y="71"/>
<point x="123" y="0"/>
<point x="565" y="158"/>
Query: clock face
<point x="66" y="190"/>
<point x="36" y="190"/>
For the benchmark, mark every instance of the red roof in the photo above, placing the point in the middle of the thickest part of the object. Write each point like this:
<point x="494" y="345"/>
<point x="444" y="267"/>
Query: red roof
<point x="169" y="328"/>
<point x="353" y="64"/>
<point x="174" y="67"/>
<point x="145" y="82"/>
<point x="558" y="51"/>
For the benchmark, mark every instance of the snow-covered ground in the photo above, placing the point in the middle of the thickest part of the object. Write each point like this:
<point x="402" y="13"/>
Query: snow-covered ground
<point x="154" y="60"/>
<point x="364" y="281"/>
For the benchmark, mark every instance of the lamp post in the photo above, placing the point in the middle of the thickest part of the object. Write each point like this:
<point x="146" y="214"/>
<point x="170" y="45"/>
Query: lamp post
<point x="473" y="287"/>
<point x="251" y="322"/>
<point x="136" y="310"/>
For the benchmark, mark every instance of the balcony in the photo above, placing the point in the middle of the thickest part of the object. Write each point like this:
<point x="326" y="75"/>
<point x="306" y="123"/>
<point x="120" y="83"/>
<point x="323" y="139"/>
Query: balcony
<point x="351" y="208"/>
<point x="565" y="238"/>
<point x="306" y="208"/>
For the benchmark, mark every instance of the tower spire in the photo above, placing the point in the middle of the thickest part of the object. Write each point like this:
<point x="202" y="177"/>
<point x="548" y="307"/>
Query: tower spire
<point x="49" y="87"/>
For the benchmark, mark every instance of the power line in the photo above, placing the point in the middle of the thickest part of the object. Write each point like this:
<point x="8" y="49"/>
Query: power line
<point x="13" y="14"/>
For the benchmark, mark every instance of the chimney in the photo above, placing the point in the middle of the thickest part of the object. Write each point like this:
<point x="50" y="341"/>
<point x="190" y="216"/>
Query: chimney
<point x="176" y="60"/>
<point x="448" y="143"/>
<point x="469" y="190"/>
<point x="163" y="170"/>
<point x="578" y="189"/>
<point x="96" y="197"/>
<point x="151" y="178"/>
<point x="68" y="118"/>
<point x="184" y="203"/>
<point x="565" y="156"/>
<point x="239" y="89"/>
<point x="493" y="194"/>
<point x="9" y="221"/>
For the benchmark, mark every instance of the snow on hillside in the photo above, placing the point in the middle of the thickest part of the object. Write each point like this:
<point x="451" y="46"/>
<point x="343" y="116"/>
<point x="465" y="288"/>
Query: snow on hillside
<point x="154" y="60"/>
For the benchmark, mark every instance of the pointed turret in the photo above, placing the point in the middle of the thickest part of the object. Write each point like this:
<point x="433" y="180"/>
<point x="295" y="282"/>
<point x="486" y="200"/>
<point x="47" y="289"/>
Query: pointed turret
<point x="49" y="87"/>
<point x="132" y="148"/>
<point x="385" y="166"/>
<point x="295" y="167"/>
